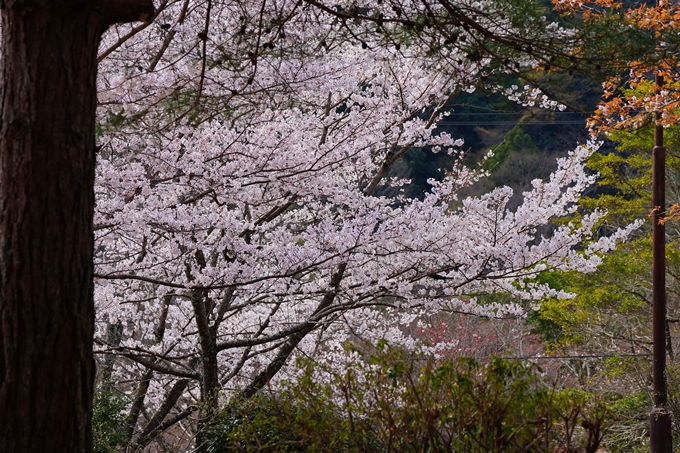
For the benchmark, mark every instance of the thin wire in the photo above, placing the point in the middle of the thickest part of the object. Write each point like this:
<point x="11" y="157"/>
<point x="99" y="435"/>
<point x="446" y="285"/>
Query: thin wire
<point x="594" y="356"/>
<point x="555" y="357"/>
<point x="506" y="123"/>
<point x="518" y="113"/>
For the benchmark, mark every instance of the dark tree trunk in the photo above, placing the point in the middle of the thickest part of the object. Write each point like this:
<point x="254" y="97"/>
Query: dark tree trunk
<point x="48" y="98"/>
<point x="210" y="384"/>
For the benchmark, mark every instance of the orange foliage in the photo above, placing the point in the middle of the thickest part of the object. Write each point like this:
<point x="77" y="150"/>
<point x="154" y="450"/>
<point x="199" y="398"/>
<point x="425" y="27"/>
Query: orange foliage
<point x="632" y="100"/>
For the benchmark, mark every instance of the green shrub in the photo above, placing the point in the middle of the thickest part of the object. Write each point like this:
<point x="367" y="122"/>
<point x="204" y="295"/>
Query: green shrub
<point x="288" y="422"/>
<point x="390" y="401"/>
<point x="108" y="421"/>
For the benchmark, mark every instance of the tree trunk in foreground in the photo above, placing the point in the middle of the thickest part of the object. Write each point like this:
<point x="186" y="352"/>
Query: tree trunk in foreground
<point x="48" y="95"/>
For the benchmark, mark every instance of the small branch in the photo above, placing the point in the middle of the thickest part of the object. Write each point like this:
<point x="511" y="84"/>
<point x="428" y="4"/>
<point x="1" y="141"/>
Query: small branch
<point x="168" y="38"/>
<point x="151" y="364"/>
<point x="289" y="346"/>
<point x="155" y="425"/>
<point x="137" y="404"/>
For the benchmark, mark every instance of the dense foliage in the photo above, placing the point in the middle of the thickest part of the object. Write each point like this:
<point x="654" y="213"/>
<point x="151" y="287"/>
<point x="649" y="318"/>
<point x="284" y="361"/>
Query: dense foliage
<point x="389" y="401"/>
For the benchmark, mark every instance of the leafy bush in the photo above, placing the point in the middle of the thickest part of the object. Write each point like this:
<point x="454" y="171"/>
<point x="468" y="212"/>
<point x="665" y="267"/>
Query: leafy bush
<point x="391" y="402"/>
<point x="281" y="423"/>
<point x="108" y="421"/>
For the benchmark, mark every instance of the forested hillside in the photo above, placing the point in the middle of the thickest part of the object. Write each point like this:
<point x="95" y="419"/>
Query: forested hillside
<point x="525" y="140"/>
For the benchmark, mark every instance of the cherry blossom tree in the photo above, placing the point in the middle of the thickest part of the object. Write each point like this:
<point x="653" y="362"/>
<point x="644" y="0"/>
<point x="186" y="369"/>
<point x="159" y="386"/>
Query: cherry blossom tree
<point x="243" y="150"/>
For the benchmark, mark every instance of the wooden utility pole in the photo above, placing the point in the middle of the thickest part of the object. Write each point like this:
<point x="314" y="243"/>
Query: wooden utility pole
<point x="660" y="422"/>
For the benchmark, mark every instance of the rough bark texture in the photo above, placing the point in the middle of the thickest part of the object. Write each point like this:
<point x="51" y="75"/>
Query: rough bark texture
<point x="48" y="99"/>
<point x="210" y="384"/>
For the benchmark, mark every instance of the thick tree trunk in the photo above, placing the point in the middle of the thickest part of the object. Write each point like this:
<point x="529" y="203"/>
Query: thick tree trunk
<point x="48" y="96"/>
<point x="46" y="237"/>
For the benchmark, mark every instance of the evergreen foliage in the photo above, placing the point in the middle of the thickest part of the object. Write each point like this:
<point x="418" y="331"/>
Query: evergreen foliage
<point x="108" y="421"/>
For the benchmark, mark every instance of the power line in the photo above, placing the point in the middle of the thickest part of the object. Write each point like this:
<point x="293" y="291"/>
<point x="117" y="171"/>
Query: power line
<point x="507" y="123"/>
<point x="517" y="113"/>
<point x="593" y="356"/>
<point x="559" y="357"/>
